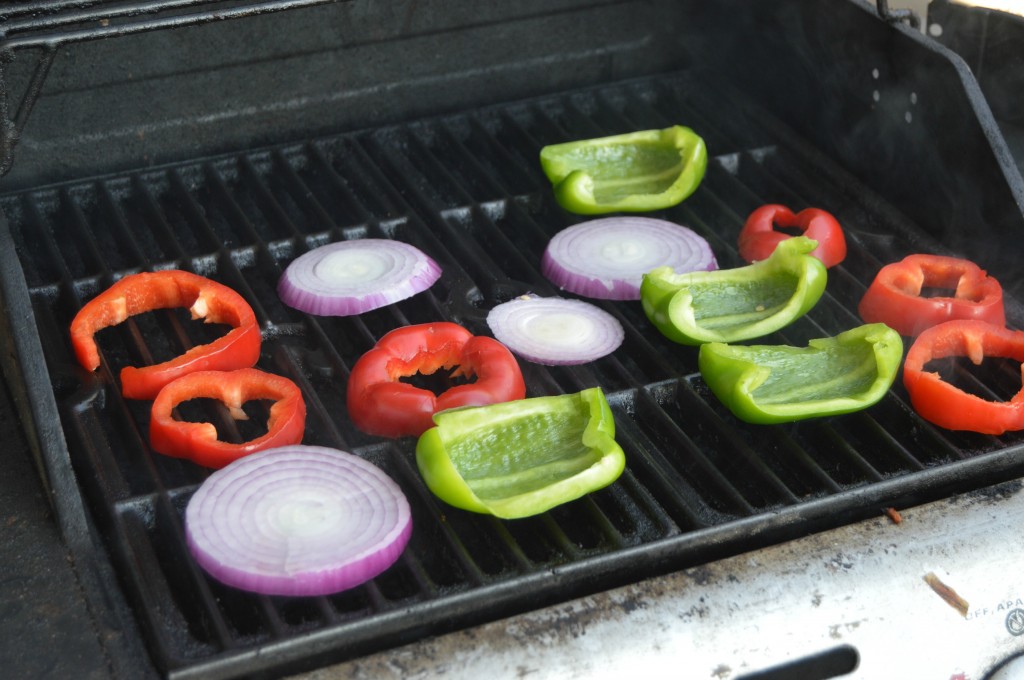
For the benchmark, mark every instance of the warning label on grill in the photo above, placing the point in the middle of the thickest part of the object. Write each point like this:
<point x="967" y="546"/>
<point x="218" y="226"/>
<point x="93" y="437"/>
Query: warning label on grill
<point x="1012" y="610"/>
<point x="1015" y="621"/>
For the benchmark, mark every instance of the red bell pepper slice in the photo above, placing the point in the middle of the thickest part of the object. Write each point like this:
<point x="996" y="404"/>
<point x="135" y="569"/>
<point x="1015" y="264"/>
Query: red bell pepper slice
<point x="379" y="403"/>
<point x="948" y="406"/>
<point x="148" y="291"/>
<point x="759" y="235"/>
<point x="198" y="442"/>
<point x="894" y="297"/>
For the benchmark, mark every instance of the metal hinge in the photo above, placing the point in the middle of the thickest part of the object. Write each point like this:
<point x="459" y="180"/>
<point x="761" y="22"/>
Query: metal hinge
<point x="907" y="16"/>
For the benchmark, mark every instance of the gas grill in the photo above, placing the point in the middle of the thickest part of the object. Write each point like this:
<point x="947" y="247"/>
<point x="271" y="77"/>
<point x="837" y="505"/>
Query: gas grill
<point x="806" y="104"/>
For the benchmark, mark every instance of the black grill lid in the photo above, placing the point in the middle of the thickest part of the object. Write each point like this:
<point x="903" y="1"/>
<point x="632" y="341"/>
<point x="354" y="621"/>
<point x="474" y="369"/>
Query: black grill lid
<point x="466" y="189"/>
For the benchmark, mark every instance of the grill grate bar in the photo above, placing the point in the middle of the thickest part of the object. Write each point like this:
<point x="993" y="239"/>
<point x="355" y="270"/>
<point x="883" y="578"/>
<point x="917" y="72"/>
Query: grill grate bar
<point x="92" y="256"/>
<point x="365" y="189"/>
<point x="150" y="211"/>
<point x="45" y="238"/>
<point x="662" y="99"/>
<point x="480" y="263"/>
<point x="152" y="595"/>
<point x="518" y="134"/>
<point x="508" y="170"/>
<point x="726" y="438"/>
<point x="842" y="449"/>
<point x="695" y="459"/>
<point x="454" y="547"/>
<point x="304" y="195"/>
<point x="123" y="236"/>
<point x="492" y="187"/>
<point x="339" y="185"/>
<point x="668" y="495"/>
<point x="276" y="214"/>
<point x="820" y="482"/>
<point x="521" y="561"/>
<point x="879" y="432"/>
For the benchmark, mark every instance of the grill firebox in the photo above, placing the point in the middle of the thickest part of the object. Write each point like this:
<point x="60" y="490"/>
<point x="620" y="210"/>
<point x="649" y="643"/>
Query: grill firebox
<point x="467" y="189"/>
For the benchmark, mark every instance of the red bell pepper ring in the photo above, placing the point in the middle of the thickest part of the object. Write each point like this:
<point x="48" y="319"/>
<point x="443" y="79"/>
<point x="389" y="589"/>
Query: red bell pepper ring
<point x="894" y="297"/>
<point x="198" y="442"/>
<point x="148" y="291"/>
<point x="379" y="403"/>
<point x="946" y="405"/>
<point x="759" y="235"/>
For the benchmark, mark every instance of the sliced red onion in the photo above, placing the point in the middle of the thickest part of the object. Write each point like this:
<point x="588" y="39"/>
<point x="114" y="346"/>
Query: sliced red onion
<point x="352" y="277"/>
<point x="297" y="520"/>
<point x="555" y="331"/>
<point x="607" y="258"/>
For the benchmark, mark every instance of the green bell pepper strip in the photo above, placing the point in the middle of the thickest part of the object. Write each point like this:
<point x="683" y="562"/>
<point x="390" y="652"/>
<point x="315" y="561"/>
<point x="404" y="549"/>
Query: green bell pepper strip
<point x="520" y="458"/>
<point x="728" y="305"/>
<point x="767" y="384"/>
<point x="634" y="172"/>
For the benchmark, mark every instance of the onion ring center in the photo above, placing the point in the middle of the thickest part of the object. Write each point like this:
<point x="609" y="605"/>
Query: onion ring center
<point x="345" y="266"/>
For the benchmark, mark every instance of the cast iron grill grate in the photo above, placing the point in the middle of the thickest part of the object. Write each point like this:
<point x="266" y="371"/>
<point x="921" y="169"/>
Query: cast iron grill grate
<point x="466" y="189"/>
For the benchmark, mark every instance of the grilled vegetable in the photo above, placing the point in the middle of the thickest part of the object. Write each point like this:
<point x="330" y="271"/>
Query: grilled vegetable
<point x="521" y="458"/>
<point x="607" y="258"/>
<point x="352" y="277"/>
<point x="761" y="233"/>
<point x="380" y="403"/>
<point x="198" y="442"/>
<point x="729" y="305"/>
<point x="945" y="404"/>
<point x="298" y="520"/>
<point x="555" y="331"/>
<point x="144" y="292"/>
<point x="779" y="383"/>
<point x="897" y="296"/>
<point x="634" y="172"/>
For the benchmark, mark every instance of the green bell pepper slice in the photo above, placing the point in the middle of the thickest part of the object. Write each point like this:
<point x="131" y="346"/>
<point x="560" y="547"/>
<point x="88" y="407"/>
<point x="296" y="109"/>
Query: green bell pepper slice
<point x="727" y="305"/>
<point x="520" y="458"/>
<point x="777" y="383"/>
<point x="634" y="172"/>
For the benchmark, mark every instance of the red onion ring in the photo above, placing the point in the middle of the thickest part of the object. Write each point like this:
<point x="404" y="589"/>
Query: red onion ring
<point x="607" y="258"/>
<point x="353" y="277"/>
<point x="555" y="331"/>
<point x="297" y="520"/>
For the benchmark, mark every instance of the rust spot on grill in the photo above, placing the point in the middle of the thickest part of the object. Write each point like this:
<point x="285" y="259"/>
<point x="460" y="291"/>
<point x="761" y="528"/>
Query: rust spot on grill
<point x="894" y="515"/>
<point x="946" y="593"/>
